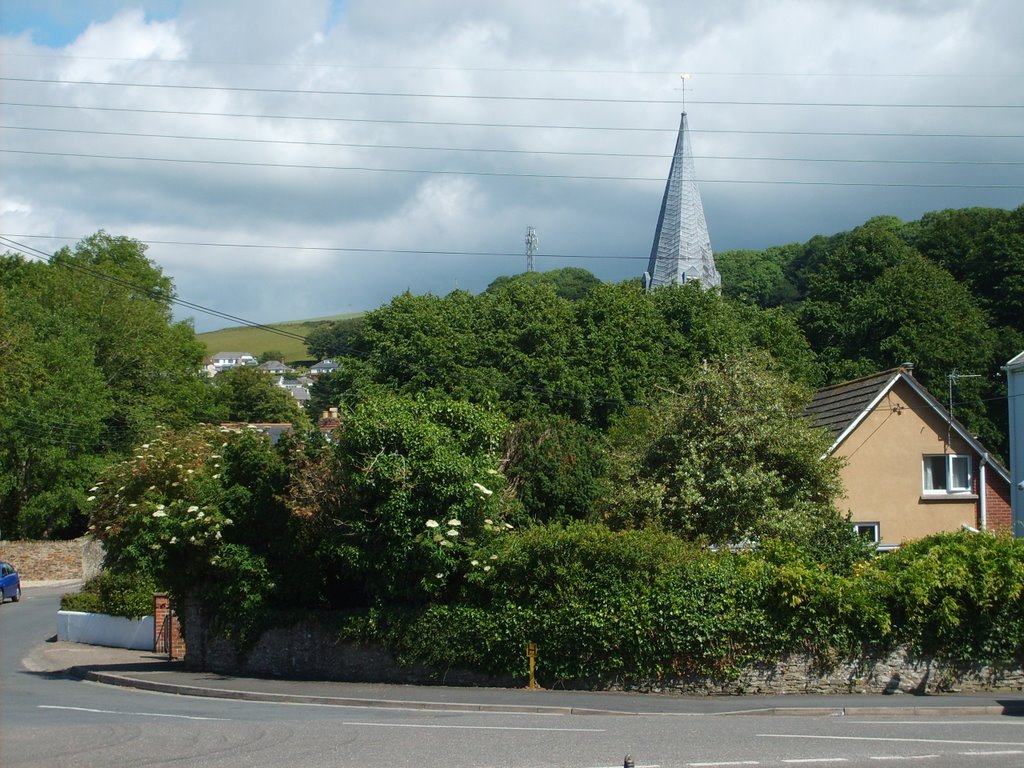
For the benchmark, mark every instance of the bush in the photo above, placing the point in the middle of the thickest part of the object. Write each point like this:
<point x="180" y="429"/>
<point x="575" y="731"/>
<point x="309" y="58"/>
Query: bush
<point x="958" y="596"/>
<point x="115" y="594"/>
<point x="601" y="605"/>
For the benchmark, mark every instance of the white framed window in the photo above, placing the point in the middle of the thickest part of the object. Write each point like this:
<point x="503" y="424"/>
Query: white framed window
<point x="869" y="531"/>
<point x="947" y="473"/>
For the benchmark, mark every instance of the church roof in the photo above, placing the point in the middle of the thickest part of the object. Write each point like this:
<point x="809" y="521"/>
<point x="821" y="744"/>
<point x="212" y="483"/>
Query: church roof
<point x="682" y="246"/>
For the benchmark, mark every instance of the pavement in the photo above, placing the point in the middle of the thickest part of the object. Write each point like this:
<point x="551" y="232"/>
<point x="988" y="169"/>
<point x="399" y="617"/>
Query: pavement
<point x="148" y="671"/>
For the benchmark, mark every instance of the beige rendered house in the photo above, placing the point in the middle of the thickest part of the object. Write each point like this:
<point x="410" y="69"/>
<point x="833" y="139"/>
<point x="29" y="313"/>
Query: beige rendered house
<point x="911" y="469"/>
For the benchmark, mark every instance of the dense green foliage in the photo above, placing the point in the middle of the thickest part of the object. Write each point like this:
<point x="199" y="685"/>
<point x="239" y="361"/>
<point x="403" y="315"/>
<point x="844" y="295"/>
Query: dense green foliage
<point x="945" y="293"/>
<point x="624" y="478"/>
<point x="116" y="593"/>
<point x="90" y="361"/>
<point x="729" y="459"/>
<point x="332" y="339"/>
<point x="609" y="606"/>
<point x="248" y="394"/>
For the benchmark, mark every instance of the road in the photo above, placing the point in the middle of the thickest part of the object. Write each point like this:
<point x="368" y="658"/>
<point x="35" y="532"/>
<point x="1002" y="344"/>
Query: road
<point x="52" y="720"/>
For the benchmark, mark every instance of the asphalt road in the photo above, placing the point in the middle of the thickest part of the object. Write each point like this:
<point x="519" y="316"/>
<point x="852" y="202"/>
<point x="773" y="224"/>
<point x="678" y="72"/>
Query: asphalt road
<point x="53" y="720"/>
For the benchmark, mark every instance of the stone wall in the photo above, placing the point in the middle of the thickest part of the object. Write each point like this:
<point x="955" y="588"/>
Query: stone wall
<point x="54" y="560"/>
<point x="308" y="651"/>
<point x="898" y="671"/>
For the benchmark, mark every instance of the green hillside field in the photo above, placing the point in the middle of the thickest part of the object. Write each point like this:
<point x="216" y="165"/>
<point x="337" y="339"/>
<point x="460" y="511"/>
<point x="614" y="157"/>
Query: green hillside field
<point x="256" y="341"/>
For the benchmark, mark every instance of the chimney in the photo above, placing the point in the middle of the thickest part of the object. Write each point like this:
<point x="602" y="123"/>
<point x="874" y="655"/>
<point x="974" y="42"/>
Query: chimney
<point x="908" y="368"/>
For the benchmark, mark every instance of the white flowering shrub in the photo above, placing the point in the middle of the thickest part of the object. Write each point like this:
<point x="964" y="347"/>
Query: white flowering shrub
<point x="414" y="488"/>
<point x="160" y="514"/>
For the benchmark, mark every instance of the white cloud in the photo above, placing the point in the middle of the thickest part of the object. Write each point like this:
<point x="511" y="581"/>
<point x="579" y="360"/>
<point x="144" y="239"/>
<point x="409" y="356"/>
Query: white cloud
<point x="195" y="160"/>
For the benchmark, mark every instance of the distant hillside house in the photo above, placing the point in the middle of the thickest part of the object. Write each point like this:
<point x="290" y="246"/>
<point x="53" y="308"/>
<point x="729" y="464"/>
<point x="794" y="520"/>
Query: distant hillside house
<point x="324" y="366"/>
<point x="275" y="367"/>
<point x="222" y="361"/>
<point x="911" y="469"/>
<point x="273" y="430"/>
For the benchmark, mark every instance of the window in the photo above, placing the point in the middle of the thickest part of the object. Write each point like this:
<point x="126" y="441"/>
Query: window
<point x="947" y="474"/>
<point x="868" y="531"/>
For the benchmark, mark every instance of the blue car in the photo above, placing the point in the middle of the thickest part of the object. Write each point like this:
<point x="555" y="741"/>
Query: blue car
<point x="10" y="583"/>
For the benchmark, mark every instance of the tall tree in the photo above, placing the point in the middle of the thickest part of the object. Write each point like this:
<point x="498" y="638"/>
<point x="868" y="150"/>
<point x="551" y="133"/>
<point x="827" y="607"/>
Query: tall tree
<point x="94" y="361"/>
<point x="727" y="458"/>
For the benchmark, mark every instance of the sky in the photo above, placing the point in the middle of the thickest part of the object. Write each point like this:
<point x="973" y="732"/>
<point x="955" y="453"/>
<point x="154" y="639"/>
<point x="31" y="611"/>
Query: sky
<point x="304" y="158"/>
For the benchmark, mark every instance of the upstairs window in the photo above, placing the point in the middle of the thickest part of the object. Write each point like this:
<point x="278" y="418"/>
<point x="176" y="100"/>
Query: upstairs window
<point x="947" y="473"/>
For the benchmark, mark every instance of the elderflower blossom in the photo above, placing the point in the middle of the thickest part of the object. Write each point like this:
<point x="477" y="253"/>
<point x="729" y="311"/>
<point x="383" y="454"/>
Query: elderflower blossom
<point x="482" y="490"/>
<point x="432" y="523"/>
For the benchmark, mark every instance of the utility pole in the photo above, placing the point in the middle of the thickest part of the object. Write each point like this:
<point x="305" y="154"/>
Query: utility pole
<point x="531" y="247"/>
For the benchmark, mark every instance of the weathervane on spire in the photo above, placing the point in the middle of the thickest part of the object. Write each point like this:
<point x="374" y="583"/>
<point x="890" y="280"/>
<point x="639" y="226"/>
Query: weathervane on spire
<point x="683" y="77"/>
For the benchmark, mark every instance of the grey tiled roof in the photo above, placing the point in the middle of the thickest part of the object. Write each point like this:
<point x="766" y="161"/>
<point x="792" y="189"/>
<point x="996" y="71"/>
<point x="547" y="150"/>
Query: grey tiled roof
<point x="836" y="407"/>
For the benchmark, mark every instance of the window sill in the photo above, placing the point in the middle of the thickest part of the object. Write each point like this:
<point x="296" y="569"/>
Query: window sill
<point x="948" y="497"/>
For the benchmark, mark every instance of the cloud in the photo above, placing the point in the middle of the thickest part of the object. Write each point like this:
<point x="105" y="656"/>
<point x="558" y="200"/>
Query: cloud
<point x="344" y="126"/>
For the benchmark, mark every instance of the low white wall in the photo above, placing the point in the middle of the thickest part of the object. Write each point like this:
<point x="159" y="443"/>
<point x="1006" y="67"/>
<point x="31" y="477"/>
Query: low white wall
<point x="110" y="631"/>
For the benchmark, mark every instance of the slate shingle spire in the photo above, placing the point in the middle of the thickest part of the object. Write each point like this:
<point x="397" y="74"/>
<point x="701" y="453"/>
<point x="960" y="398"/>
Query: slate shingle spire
<point x="682" y="247"/>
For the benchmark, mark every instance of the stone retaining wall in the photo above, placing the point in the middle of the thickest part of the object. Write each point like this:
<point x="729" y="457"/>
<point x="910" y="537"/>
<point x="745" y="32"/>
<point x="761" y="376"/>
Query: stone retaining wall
<point x="54" y="560"/>
<point x="308" y="651"/>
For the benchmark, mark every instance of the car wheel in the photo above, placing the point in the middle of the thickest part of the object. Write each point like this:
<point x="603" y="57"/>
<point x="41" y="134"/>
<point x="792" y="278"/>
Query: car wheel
<point x="17" y="595"/>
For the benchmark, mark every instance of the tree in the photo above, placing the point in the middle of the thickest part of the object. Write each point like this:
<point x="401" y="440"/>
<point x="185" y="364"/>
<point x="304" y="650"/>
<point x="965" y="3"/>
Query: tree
<point x="569" y="282"/>
<point x="556" y="467"/>
<point x="728" y="458"/>
<point x="410" y="486"/>
<point x="271" y="355"/>
<point x="334" y="339"/>
<point x="247" y="394"/>
<point x="93" y="361"/>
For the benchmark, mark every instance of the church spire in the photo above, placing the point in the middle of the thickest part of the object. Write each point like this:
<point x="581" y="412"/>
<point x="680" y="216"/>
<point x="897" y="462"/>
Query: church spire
<point x="682" y="247"/>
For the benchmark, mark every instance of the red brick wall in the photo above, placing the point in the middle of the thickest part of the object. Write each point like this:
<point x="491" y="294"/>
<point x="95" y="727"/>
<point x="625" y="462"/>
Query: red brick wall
<point x="997" y="503"/>
<point x="166" y="630"/>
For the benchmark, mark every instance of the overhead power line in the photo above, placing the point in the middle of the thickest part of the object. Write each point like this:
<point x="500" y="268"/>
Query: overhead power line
<point x="499" y="174"/>
<point x="423" y="67"/>
<point x="28" y="250"/>
<point x="342" y="249"/>
<point x="516" y="126"/>
<point x="500" y="150"/>
<point x="498" y="97"/>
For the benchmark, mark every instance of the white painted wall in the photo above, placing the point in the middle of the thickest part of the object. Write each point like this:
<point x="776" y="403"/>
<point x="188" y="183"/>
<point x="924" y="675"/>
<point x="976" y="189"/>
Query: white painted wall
<point x="110" y="631"/>
<point x="1015" y="391"/>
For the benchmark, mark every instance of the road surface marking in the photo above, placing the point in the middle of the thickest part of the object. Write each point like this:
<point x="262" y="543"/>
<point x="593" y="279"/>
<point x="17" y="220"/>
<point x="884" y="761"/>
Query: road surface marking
<point x="477" y="727"/>
<point x="130" y="714"/>
<point x="889" y="738"/>
<point x="816" y="760"/>
<point x="996" y="752"/>
<point x="903" y="757"/>
<point x="722" y="764"/>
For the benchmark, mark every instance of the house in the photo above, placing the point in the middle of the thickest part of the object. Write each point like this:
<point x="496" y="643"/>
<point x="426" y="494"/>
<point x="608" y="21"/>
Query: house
<point x="275" y="367"/>
<point x="1015" y="400"/>
<point x="910" y="468"/>
<point x="324" y="366"/>
<point x="273" y="430"/>
<point x="222" y="361"/>
<point x="301" y="395"/>
<point x="328" y="422"/>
